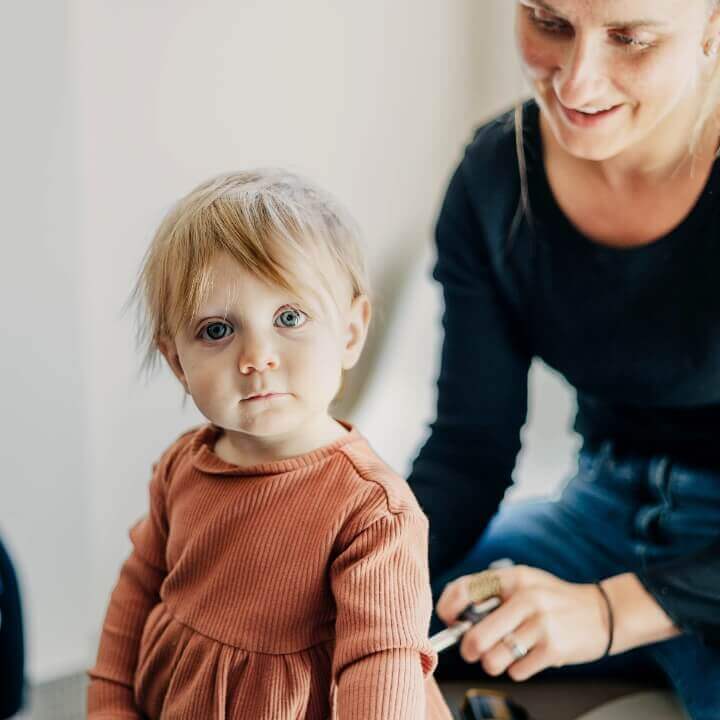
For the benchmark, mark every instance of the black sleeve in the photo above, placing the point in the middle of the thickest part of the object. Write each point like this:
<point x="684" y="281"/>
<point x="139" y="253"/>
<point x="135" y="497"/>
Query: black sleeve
<point x="465" y="467"/>
<point x="12" y="651"/>
<point x="688" y="589"/>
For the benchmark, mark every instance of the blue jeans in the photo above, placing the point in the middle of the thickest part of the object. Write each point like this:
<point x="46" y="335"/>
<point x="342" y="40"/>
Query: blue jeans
<point x="616" y="515"/>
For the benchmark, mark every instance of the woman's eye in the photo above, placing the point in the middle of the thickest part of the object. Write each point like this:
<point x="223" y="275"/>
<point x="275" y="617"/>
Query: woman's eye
<point x="290" y="318"/>
<point x="216" y="331"/>
<point x="630" y="41"/>
<point x="550" y="23"/>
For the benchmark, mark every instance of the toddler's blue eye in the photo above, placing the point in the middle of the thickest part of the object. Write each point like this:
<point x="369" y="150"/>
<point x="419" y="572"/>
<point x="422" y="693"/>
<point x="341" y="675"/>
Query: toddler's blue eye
<point x="290" y="318"/>
<point x="216" y="331"/>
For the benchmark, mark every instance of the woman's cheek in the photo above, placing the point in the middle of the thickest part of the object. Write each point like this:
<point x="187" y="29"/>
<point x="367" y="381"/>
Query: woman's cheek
<point x="673" y="62"/>
<point x="654" y="82"/>
<point x="539" y="56"/>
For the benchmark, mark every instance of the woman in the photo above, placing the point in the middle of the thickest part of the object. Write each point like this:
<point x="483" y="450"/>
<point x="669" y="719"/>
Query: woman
<point x="587" y="233"/>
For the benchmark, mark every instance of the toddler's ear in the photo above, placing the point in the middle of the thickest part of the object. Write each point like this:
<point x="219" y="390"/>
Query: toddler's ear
<point x="169" y="350"/>
<point x="356" y="329"/>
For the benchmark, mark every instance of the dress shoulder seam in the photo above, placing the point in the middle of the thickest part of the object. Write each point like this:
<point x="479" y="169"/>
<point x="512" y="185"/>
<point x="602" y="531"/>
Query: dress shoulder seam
<point x="397" y="508"/>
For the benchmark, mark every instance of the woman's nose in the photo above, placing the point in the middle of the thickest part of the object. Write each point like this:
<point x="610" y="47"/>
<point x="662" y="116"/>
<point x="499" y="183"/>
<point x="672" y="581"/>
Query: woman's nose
<point x="257" y="354"/>
<point x="580" y="80"/>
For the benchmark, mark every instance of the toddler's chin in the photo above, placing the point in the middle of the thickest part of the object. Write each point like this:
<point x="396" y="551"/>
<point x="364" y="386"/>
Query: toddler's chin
<point x="265" y="426"/>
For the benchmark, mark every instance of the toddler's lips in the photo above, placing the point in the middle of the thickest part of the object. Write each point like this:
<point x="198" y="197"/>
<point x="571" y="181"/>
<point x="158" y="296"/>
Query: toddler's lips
<point x="263" y="396"/>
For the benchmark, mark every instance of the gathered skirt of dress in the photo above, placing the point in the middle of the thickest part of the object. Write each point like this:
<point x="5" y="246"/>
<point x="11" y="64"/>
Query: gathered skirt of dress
<point x="184" y="675"/>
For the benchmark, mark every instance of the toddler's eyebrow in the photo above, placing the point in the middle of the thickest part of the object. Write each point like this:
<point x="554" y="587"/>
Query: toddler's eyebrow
<point x="214" y="312"/>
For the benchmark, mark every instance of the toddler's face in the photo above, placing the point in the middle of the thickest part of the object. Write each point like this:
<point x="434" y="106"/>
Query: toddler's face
<point x="258" y="362"/>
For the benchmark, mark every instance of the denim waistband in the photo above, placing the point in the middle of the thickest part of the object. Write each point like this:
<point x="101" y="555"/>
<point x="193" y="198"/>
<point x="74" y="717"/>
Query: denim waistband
<point x="658" y="475"/>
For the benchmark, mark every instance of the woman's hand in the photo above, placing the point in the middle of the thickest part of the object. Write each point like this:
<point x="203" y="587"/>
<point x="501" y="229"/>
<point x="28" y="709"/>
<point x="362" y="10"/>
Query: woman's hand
<point x="559" y="623"/>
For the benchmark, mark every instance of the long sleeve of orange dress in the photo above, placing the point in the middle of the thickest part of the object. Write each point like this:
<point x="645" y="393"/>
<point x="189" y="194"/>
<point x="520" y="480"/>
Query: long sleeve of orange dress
<point x="293" y="589"/>
<point x="136" y="593"/>
<point x="381" y="655"/>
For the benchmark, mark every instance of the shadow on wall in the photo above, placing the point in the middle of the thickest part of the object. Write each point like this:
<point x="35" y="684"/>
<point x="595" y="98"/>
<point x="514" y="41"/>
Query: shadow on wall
<point x="393" y="399"/>
<point x="405" y="273"/>
<point x="392" y="396"/>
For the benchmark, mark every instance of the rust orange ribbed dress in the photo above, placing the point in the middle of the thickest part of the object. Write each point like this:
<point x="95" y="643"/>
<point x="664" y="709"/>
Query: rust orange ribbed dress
<point x="296" y="589"/>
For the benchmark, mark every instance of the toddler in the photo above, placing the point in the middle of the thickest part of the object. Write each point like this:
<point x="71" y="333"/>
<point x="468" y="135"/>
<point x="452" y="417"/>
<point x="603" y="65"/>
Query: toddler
<point x="280" y="572"/>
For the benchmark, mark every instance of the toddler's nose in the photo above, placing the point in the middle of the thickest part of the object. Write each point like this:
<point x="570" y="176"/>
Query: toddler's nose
<point x="257" y="355"/>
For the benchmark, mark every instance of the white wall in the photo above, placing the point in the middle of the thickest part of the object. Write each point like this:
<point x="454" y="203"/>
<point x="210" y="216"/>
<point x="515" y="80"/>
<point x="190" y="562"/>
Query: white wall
<point x="120" y="108"/>
<point x="405" y="366"/>
<point x="43" y="423"/>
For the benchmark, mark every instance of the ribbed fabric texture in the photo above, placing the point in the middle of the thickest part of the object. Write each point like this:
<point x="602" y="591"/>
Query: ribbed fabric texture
<point x="294" y="589"/>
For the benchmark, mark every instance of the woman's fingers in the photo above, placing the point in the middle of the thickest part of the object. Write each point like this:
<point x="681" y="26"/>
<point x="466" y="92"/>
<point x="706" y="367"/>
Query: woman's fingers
<point x="519" y="577"/>
<point x="456" y="595"/>
<point x="512" y="639"/>
<point x="519" y="650"/>
<point x="538" y="658"/>
<point x="543" y="621"/>
<point x="478" y="640"/>
<point x="454" y="599"/>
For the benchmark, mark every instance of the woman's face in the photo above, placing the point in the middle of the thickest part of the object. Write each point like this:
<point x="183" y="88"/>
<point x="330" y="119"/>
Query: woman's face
<point x="607" y="73"/>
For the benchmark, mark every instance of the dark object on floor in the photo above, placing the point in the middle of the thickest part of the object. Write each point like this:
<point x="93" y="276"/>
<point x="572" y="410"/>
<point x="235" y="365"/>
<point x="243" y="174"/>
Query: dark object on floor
<point x="490" y="705"/>
<point x="12" y="649"/>
<point x="550" y="699"/>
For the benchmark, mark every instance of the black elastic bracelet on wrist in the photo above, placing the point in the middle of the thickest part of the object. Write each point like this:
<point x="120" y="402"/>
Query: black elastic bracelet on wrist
<point x="611" y="620"/>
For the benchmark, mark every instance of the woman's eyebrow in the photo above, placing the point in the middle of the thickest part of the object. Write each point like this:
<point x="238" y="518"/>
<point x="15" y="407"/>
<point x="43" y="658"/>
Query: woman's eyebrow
<point x="546" y="6"/>
<point x="629" y="24"/>
<point x="632" y="24"/>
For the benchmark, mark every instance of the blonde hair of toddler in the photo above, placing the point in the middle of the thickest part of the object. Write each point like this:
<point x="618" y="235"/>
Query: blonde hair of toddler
<point x="274" y="224"/>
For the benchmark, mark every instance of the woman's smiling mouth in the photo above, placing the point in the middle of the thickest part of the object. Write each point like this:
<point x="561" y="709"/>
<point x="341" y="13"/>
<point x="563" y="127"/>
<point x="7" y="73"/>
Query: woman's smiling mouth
<point x="588" y="117"/>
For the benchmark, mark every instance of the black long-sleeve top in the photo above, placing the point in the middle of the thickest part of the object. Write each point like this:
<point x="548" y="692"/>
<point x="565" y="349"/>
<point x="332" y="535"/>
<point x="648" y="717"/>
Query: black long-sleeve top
<point x="636" y="331"/>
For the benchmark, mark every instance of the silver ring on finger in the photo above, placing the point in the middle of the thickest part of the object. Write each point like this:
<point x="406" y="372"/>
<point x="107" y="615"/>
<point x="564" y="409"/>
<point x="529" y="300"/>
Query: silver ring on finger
<point x="516" y="648"/>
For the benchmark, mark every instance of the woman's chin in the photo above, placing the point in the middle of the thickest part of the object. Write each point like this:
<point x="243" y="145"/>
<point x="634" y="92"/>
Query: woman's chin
<point x="587" y="147"/>
<point x="601" y="142"/>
